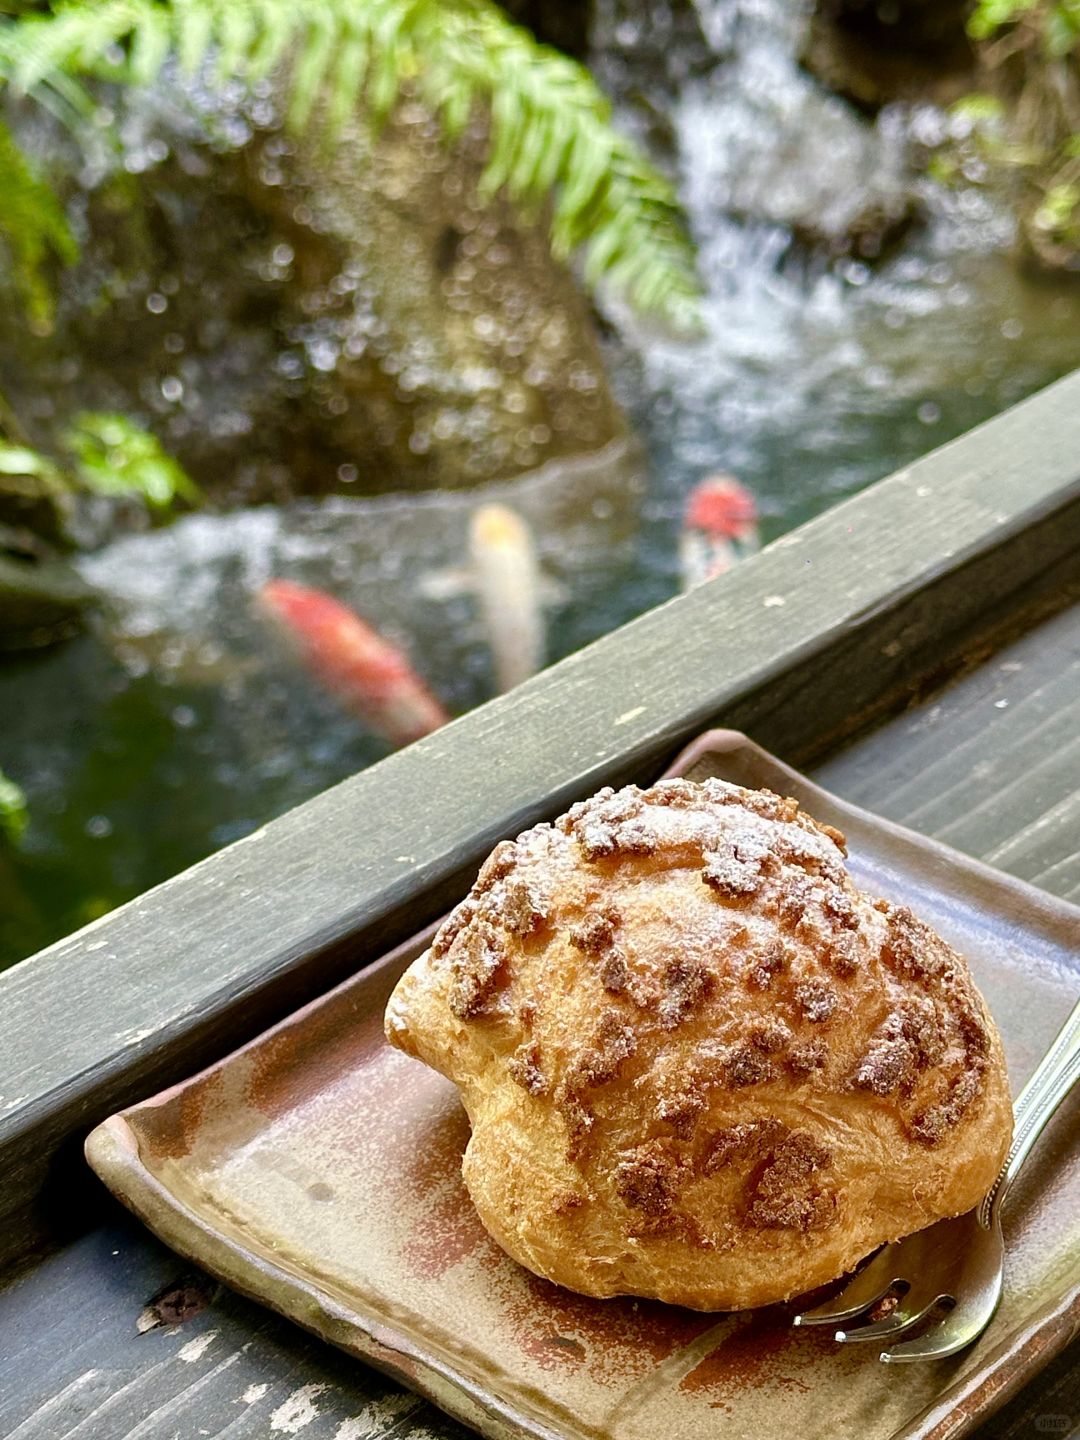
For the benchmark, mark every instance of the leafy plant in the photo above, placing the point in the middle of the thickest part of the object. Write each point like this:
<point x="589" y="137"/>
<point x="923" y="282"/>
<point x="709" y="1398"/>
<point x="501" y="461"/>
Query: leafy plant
<point x="1030" y="52"/>
<point x="989" y="16"/>
<point x="13" y="814"/>
<point x="33" y="228"/>
<point x="114" y="456"/>
<point x="1058" y="22"/>
<point x="111" y="455"/>
<point x="979" y="108"/>
<point x="21" y="460"/>
<point x="1058" y="217"/>
<point x="550" y="131"/>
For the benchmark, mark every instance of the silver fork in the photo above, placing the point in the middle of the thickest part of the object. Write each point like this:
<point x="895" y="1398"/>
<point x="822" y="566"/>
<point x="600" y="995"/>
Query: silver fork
<point x="957" y="1263"/>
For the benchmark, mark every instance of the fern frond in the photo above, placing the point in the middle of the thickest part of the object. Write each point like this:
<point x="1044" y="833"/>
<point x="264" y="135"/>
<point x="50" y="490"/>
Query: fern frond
<point x="33" y="228"/>
<point x="72" y="40"/>
<point x="234" y="42"/>
<point x="550" y="130"/>
<point x="310" y="67"/>
<point x="346" y="82"/>
<point x="275" y="28"/>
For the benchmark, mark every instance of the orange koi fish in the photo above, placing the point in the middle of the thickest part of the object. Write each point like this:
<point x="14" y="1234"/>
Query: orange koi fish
<point x="365" y="671"/>
<point x="719" y="528"/>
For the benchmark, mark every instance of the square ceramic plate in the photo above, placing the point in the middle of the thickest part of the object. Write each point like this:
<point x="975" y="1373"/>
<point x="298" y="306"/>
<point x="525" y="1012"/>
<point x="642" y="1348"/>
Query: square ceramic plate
<point x="318" y="1170"/>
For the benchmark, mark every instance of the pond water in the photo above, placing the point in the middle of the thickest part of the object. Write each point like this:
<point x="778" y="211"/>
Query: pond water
<point x="176" y="725"/>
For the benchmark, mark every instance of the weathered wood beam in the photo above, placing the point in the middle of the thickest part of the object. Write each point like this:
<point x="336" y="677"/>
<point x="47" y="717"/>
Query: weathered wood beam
<point x="798" y="645"/>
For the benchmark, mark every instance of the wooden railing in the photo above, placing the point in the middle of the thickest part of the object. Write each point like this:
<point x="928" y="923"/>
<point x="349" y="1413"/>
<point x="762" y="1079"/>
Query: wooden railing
<point x="833" y="625"/>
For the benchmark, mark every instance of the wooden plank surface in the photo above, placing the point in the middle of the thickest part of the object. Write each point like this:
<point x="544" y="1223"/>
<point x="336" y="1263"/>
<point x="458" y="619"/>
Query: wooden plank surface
<point x="797" y="644"/>
<point x="68" y="1331"/>
<point x="68" y="1326"/>
<point x="993" y="765"/>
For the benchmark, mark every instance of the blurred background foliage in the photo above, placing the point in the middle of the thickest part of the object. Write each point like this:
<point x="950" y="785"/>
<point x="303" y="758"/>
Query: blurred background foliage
<point x="1030" y="120"/>
<point x="13" y="817"/>
<point x="106" y="455"/>
<point x="33" y="227"/>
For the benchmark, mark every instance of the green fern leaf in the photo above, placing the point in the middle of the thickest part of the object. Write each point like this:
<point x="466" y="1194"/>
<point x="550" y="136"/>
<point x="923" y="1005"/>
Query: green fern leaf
<point x="346" y="82"/>
<point x="550" y="131"/>
<point x="33" y="227"/>
<point x="113" y="456"/>
<point x="77" y="38"/>
<point x="235" y="35"/>
<point x="388" y="71"/>
<point x="506" y="111"/>
<point x="151" y="42"/>
<point x="275" y="26"/>
<point x="193" y="23"/>
<point x="311" y="66"/>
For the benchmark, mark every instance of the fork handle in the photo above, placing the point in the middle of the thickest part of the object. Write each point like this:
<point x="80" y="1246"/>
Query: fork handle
<point x="1056" y="1074"/>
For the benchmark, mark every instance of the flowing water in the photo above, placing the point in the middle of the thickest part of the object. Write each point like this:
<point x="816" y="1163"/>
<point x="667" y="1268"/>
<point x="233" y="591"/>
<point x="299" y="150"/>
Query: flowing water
<point x="177" y="725"/>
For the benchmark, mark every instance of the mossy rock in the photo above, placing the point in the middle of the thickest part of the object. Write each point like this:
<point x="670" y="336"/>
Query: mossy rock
<point x="42" y="599"/>
<point x="35" y="504"/>
<point x="296" y="319"/>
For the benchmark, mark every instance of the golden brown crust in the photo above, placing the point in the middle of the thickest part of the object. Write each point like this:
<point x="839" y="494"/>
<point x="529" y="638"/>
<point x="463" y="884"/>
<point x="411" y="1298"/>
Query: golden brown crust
<point x="699" y="1064"/>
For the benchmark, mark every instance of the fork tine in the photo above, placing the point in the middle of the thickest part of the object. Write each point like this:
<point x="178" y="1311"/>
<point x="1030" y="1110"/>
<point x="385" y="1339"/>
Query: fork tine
<point x="900" y="1320"/>
<point x="864" y="1290"/>
<point x="955" y="1331"/>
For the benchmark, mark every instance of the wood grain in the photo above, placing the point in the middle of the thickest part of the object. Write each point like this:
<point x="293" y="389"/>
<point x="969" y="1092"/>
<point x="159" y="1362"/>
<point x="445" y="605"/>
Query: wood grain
<point x="85" y="1372"/>
<point x="993" y="765"/>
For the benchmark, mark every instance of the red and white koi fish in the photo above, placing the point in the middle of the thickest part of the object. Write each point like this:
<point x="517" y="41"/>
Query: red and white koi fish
<point x="365" y="671"/>
<point x="504" y="574"/>
<point x="719" y="529"/>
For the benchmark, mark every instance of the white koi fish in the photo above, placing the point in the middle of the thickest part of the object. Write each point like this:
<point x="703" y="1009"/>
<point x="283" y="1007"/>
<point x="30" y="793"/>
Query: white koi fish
<point x="504" y="574"/>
